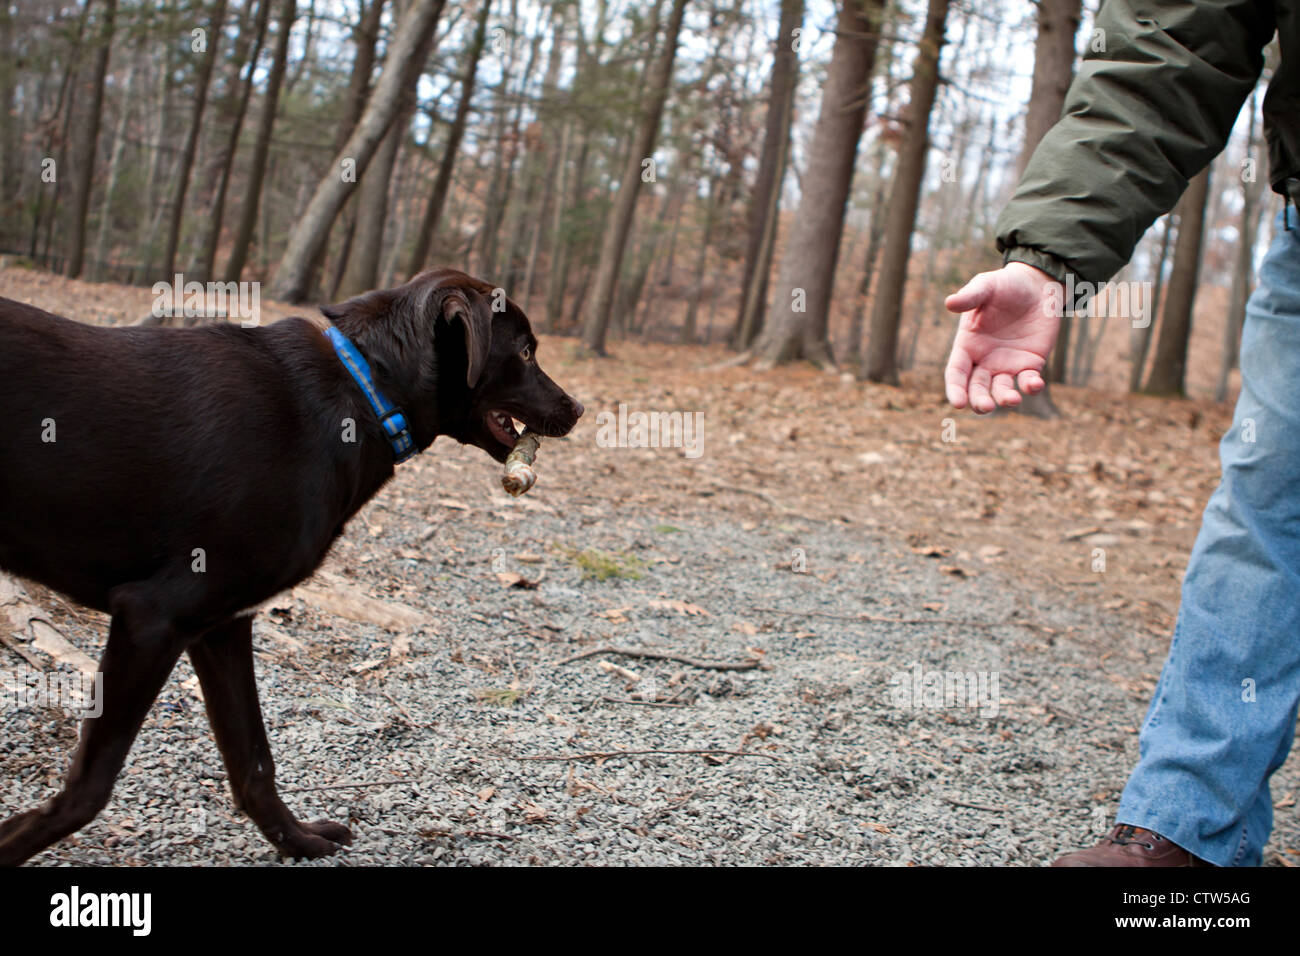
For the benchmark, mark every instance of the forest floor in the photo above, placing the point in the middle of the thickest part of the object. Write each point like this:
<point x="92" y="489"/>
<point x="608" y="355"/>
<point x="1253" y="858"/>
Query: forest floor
<point x="427" y="686"/>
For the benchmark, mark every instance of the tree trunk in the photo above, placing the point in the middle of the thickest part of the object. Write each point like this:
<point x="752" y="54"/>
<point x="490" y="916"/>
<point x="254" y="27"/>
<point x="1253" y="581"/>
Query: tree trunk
<point x="1169" y="367"/>
<point x="881" y="360"/>
<point x="1140" y="338"/>
<point x="798" y="324"/>
<point x="765" y="204"/>
<point x="365" y="37"/>
<point x="84" y="167"/>
<point x="367" y="242"/>
<point x="643" y="143"/>
<point x="1054" y="55"/>
<point x="98" y="272"/>
<point x="191" y="146"/>
<point x="262" y="146"/>
<point x="208" y="258"/>
<point x="311" y="231"/>
<point x="10" y="140"/>
<point x="1244" y="270"/>
<point x="442" y="183"/>
<point x="876" y="231"/>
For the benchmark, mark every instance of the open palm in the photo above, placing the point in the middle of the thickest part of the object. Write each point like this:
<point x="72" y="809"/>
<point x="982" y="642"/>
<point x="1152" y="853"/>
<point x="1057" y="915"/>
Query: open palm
<point x="1007" y="329"/>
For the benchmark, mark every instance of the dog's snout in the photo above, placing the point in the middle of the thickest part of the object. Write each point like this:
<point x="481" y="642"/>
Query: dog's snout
<point x="577" y="407"/>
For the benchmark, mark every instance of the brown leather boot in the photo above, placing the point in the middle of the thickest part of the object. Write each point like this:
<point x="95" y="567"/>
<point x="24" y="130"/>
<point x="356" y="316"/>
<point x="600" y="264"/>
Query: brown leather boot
<point x="1132" y="846"/>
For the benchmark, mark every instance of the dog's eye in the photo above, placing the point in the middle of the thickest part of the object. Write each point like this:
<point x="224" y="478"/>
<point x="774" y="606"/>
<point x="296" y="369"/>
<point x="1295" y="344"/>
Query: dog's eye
<point x="526" y="353"/>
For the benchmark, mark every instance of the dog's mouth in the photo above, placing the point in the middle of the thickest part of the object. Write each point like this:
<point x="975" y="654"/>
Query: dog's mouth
<point x="501" y="426"/>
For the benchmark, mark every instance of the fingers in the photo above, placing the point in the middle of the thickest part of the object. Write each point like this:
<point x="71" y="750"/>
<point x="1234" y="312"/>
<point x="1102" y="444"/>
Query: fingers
<point x="956" y="375"/>
<point x="1031" y="381"/>
<point x="981" y="400"/>
<point x="971" y="296"/>
<point x="1004" y="390"/>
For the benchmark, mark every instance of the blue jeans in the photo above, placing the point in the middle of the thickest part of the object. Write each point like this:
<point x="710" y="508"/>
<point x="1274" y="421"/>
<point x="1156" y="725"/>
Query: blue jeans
<point x="1224" y="712"/>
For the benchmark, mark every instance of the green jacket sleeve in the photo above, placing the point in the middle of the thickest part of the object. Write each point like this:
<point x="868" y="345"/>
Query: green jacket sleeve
<point x="1153" y="102"/>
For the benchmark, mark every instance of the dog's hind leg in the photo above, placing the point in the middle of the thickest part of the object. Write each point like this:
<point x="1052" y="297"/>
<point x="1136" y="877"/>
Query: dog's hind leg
<point x="223" y="659"/>
<point x="143" y="647"/>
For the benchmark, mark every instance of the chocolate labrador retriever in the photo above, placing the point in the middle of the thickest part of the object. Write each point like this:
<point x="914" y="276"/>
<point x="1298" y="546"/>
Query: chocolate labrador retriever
<point x="128" y="454"/>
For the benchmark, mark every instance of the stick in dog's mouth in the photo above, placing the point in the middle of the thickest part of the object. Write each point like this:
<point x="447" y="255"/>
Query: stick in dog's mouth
<point x="519" y="475"/>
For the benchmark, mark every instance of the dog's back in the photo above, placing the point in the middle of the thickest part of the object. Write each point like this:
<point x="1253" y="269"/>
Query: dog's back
<point x="116" y="446"/>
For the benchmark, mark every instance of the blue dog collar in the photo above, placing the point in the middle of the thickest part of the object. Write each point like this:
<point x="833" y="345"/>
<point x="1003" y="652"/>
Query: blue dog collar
<point x="391" y="418"/>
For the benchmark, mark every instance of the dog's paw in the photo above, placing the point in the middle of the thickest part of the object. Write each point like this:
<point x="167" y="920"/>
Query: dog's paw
<point x="312" y="840"/>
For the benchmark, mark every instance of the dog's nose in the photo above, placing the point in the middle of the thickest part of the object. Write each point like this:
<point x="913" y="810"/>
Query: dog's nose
<point x="577" y="407"/>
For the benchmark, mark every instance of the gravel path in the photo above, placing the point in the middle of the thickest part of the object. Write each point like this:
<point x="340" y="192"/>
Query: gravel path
<point x="461" y="737"/>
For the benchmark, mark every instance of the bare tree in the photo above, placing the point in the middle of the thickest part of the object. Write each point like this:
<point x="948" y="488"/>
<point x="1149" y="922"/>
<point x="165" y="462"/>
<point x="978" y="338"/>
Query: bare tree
<point x="1168" y="368"/>
<point x="765" y="203"/>
<point x="881" y="360"/>
<point x="442" y="181"/>
<point x="84" y="164"/>
<point x="311" y="231"/>
<point x="1252" y="188"/>
<point x="191" y="146"/>
<point x="372" y="199"/>
<point x="798" y="324"/>
<point x="615" y="242"/>
<point x="262" y="146"/>
<point x="240" y="95"/>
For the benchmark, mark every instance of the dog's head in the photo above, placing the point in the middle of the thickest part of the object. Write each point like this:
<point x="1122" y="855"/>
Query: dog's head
<point x="460" y="358"/>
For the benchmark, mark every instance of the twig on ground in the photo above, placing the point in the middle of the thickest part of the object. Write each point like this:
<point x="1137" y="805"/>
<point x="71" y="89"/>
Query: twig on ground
<point x="658" y="656"/>
<point x="468" y="833"/>
<point x="977" y="806"/>
<point x="607" y="755"/>
<point x="346" y="786"/>
<point x="403" y="711"/>
<point x="643" y="703"/>
<point x="881" y="619"/>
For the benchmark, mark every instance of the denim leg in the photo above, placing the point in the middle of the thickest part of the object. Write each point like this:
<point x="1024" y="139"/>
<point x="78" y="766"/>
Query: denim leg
<point x="1224" y="711"/>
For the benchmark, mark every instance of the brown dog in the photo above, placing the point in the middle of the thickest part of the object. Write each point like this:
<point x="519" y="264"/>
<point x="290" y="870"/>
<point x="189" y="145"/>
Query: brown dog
<point x="123" y="452"/>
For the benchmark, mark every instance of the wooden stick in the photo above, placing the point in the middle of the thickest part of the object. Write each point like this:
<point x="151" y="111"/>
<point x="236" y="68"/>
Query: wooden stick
<point x="657" y="656"/>
<point x="880" y="619"/>
<point x="642" y="703"/>
<point x="346" y="786"/>
<point x="638" y="753"/>
<point x="21" y="651"/>
<point x="519" y="475"/>
<point x="976" y="806"/>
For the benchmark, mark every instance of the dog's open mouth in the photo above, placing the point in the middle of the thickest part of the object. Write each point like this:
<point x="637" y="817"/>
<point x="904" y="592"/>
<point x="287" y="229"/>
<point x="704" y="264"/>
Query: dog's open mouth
<point x="502" y="427"/>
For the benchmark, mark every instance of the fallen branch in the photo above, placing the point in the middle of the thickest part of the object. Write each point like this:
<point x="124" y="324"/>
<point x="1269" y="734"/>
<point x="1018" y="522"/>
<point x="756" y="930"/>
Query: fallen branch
<point x="643" y="703"/>
<point x="469" y="834"/>
<point x="346" y="786"/>
<point x="21" y="651"/>
<point x="640" y="753"/>
<point x="880" y="619"/>
<point x="977" y="806"/>
<point x="760" y="495"/>
<point x="657" y="656"/>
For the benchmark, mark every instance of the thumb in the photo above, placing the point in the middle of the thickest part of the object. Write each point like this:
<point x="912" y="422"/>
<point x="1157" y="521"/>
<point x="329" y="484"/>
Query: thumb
<point x="972" y="295"/>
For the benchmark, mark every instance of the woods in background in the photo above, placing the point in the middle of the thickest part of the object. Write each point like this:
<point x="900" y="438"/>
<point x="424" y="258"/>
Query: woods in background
<point x="795" y="179"/>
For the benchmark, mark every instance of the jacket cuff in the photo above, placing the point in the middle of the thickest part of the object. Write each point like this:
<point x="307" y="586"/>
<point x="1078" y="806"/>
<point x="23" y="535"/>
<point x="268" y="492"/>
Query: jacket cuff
<point x="1040" y="260"/>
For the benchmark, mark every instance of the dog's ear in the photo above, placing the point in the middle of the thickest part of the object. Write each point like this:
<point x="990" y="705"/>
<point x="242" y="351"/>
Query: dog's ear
<point x="469" y="308"/>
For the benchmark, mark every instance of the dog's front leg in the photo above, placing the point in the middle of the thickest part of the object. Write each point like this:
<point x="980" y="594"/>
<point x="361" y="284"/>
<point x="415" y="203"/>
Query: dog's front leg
<point x="143" y="647"/>
<point x="223" y="659"/>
